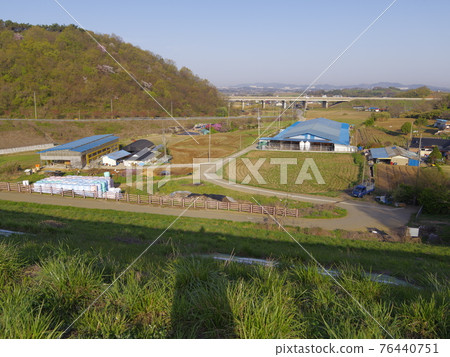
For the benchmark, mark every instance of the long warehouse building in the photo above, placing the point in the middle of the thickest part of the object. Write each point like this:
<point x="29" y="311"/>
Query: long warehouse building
<point x="80" y="153"/>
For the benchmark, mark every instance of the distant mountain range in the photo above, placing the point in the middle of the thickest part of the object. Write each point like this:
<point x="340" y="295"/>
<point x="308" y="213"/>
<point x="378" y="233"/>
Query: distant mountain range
<point x="283" y="87"/>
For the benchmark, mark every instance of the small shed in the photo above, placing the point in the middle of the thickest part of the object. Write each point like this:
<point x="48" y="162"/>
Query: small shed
<point x="115" y="158"/>
<point x="394" y="155"/>
<point x="138" y="145"/>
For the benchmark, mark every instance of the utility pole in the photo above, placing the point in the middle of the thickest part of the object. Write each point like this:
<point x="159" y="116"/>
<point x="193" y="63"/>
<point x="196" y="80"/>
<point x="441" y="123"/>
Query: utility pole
<point x="364" y="169"/>
<point x="171" y="109"/>
<point x="259" y="124"/>
<point x="410" y="136"/>
<point x="164" y="139"/>
<point x="209" y="143"/>
<point x="418" y="169"/>
<point x="228" y="119"/>
<point x="35" y="108"/>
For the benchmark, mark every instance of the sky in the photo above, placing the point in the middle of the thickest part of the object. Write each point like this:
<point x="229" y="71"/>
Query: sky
<point x="289" y="41"/>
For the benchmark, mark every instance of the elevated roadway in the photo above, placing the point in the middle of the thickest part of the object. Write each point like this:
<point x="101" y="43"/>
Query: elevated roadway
<point x="285" y="100"/>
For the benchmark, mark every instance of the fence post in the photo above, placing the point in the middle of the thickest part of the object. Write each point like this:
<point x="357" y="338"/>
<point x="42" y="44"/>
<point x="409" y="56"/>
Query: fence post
<point x="40" y="190"/>
<point x="73" y="193"/>
<point x="51" y="190"/>
<point x="138" y="199"/>
<point x="296" y="212"/>
<point x="62" y="191"/>
<point x="8" y="186"/>
<point x="127" y="195"/>
<point x="84" y="194"/>
<point x="18" y="187"/>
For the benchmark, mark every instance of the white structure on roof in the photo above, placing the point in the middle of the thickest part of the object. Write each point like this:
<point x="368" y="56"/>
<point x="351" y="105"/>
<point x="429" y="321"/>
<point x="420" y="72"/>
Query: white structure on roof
<point x="115" y="158"/>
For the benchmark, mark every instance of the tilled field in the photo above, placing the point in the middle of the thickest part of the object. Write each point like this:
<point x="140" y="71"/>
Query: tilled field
<point x="388" y="177"/>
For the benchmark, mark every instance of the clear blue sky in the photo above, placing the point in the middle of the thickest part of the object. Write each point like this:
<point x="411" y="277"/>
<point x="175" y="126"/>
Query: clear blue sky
<point x="288" y="41"/>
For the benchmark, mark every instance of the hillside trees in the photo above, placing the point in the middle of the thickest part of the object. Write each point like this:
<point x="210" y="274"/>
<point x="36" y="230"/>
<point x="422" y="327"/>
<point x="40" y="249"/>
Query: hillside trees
<point x="70" y="73"/>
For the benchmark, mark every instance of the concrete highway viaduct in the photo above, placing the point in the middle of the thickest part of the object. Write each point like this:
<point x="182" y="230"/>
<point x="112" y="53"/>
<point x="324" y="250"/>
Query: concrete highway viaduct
<point x="287" y="101"/>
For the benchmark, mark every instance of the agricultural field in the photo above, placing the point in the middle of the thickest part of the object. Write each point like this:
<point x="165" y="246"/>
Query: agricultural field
<point x="388" y="177"/>
<point x="12" y="166"/>
<point x="373" y="137"/>
<point x="69" y="255"/>
<point x="222" y="145"/>
<point x="31" y="132"/>
<point x="344" y="115"/>
<point x="339" y="172"/>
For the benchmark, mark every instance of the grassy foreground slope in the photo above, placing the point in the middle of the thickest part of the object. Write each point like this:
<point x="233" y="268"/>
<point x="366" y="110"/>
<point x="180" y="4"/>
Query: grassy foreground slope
<point x="70" y="255"/>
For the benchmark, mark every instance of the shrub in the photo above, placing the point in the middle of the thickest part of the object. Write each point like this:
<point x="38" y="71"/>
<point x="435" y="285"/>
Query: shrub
<point x="406" y="128"/>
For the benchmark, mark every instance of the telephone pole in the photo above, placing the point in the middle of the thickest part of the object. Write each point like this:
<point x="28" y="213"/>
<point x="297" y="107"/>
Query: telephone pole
<point x="35" y="108"/>
<point x="209" y="143"/>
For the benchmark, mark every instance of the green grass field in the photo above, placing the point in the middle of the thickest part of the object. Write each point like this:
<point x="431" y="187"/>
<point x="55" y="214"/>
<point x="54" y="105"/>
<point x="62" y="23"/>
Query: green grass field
<point x="339" y="172"/>
<point x="69" y="256"/>
<point x="306" y="209"/>
<point x="12" y="166"/>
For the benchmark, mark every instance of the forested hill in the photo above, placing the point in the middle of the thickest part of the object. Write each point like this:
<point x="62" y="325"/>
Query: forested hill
<point x="73" y="76"/>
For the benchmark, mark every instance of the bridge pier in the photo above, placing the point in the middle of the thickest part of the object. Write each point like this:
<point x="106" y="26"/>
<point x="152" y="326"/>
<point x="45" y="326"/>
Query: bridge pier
<point x="283" y="104"/>
<point x="263" y="104"/>
<point x="325" y="104"/>
<point x="243" y="105"/>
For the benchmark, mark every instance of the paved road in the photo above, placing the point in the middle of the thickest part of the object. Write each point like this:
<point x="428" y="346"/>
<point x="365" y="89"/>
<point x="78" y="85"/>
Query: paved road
<point x="358" y="219"/>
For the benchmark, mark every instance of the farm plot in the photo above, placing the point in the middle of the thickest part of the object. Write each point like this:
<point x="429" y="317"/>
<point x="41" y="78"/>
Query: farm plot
<point x="388" y="177"/>
<point x="373" y="137"/>
<point x="222" y="145"/>
<point x="338" y="172"/>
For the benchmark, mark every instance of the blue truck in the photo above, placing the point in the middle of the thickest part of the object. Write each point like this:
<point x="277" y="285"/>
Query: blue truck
<point x="363" y="189"/>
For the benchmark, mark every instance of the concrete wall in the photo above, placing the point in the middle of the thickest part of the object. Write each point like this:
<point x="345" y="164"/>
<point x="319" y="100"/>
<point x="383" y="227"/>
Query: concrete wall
<point x="399" y="160"/>
<point x="26" y="148"/>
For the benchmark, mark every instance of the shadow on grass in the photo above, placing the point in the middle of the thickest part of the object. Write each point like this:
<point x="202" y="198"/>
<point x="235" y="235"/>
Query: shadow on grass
<point x="124" y="235"/>
<point x="200" y="307"/>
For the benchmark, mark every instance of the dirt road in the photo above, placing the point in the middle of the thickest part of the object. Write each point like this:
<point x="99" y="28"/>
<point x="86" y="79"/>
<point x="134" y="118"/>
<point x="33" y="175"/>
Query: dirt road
<point x="358" y="218"/>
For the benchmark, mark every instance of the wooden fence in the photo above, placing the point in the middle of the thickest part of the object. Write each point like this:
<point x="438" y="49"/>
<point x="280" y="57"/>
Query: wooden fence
<point x="163" y="201"/>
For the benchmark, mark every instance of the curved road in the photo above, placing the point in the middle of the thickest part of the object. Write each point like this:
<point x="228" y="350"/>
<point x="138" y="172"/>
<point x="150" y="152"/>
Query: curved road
<point x="360" y="215"/>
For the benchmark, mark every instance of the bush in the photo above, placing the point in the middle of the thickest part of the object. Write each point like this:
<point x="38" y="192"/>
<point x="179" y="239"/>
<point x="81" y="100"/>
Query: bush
<point x="369" y="122"/>
<point x="406" y="128"/>
<point x="382" y="116"/>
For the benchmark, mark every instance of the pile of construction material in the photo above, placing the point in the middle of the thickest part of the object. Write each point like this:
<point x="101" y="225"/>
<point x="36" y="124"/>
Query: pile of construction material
<point x="89" y="186"/>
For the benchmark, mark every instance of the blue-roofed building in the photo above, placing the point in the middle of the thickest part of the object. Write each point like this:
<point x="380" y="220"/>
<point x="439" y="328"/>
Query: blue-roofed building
<point x="115" y="158"/>
<point x="318" y="134"/>
<point x="82" y="152"/>
<point x="394" y="155"/>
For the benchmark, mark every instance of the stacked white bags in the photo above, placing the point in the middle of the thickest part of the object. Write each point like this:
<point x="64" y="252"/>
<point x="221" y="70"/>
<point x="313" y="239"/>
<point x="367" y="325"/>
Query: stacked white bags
<point x="89" y="186"/>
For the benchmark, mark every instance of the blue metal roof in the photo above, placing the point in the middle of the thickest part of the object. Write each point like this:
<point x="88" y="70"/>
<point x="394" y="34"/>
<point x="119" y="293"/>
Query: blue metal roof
<point x="379" y="153"/>
<point x="118" y="154"/>
<point x="84" y="144"/>
<point x="319" y="129"/>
